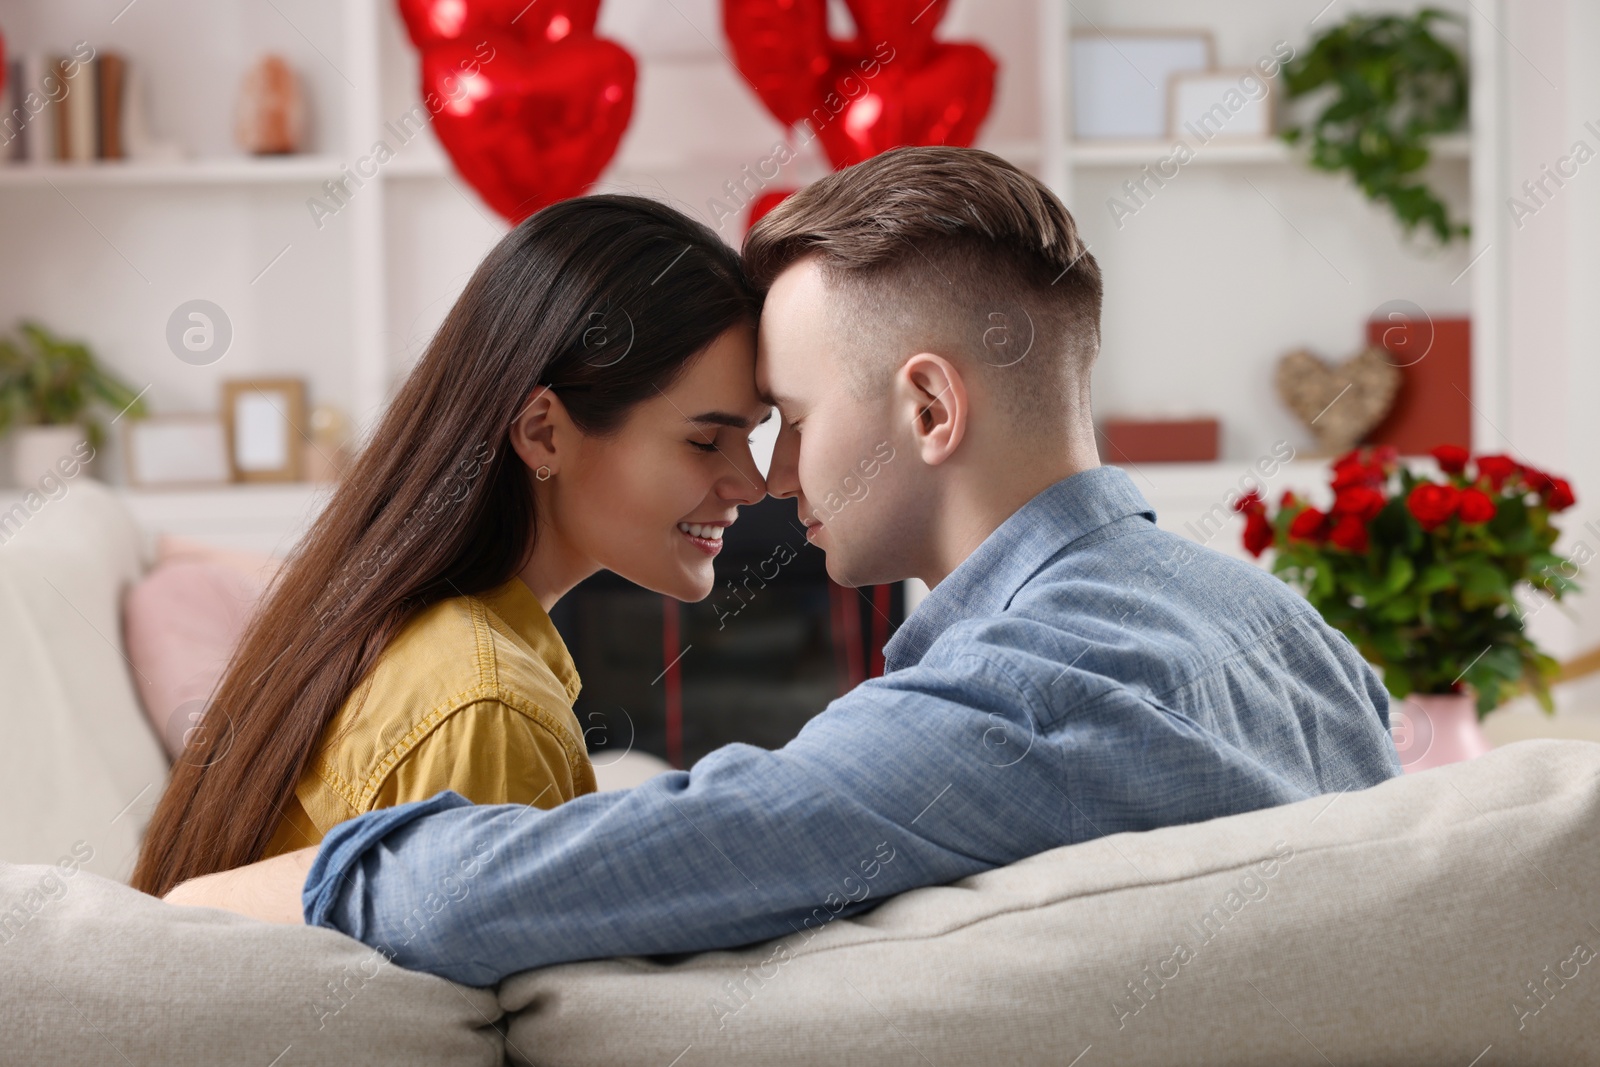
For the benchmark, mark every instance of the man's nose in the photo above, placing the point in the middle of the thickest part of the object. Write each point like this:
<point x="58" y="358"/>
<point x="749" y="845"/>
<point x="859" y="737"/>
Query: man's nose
<point x="783" y="478"/>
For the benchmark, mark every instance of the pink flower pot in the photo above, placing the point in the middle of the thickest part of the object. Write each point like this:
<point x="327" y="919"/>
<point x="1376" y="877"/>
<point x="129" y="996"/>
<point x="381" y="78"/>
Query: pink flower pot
<point x="1432" y="729"/>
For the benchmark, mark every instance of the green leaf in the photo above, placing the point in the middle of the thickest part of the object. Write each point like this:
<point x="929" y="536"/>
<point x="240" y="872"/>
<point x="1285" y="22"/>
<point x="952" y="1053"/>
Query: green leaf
<point x="1393" y="84"/>
<point x="49" y="381"/>
<point x="1435" y="578"/>
<point x="1503" y="660"/>
<point x="1483" y="585"/>
<point x="1401" y="572"/>
<point x="1397" y="680"/>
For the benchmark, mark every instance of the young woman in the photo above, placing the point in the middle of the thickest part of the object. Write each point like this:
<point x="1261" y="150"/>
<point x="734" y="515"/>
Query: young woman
<point x="586" y="404"/>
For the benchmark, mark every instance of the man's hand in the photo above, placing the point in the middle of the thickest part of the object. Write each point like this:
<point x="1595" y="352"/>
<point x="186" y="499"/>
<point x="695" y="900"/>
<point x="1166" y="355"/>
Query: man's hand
<point x="268" y="890"/>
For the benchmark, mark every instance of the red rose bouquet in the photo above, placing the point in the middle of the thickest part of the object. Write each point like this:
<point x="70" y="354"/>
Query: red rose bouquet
<point x="1421" y="572"/>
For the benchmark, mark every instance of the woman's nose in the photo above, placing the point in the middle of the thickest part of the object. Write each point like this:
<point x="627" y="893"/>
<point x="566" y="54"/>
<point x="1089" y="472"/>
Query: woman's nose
<point x="745" y="484"/>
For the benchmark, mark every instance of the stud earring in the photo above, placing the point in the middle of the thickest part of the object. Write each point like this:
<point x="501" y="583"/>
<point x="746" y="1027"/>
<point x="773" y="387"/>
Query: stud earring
<point x="543" y="473"/>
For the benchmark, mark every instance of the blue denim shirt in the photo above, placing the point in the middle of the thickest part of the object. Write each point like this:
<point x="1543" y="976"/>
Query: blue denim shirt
<point x="1082" y="673"/>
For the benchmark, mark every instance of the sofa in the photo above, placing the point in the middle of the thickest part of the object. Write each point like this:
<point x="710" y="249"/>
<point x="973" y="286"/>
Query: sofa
<point x="1446" y="917"/>
<point x="78" y="760"/>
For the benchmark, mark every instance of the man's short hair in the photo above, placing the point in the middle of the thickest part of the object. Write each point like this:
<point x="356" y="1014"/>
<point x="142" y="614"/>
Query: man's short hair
<point x="952" y="251"/>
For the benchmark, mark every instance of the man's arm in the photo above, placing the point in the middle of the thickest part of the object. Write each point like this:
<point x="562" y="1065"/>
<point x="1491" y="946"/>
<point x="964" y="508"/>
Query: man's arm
<point x="268" y="890"/>
<point x="905" y="782"/>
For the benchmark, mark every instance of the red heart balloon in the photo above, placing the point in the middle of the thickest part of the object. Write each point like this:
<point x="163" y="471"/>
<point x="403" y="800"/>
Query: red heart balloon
<point x="782" y="50"/>
<point x="530" y="126"/>
<point x="907" y="25"/>
<point x="943" y="102"/>
<point x="431" y="22"/>
<point x="891" y="85"/>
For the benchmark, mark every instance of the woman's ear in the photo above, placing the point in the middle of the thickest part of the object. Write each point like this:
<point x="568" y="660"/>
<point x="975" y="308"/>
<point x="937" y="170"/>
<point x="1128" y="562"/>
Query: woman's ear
<point x="931" y="395"/>
<point x="542" y="432"/>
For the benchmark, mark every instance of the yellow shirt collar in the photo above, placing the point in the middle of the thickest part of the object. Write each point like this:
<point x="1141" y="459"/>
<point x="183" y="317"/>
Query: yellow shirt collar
<point x="519" y="609"/>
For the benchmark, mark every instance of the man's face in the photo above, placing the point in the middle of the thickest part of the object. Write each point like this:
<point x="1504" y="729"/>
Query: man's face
<point x="840" y="456"/>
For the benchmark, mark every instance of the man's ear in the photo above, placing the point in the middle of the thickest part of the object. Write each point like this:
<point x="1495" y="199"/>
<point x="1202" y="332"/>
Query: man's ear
<point x="931" y="395"/>
<point x="542" y="431"/>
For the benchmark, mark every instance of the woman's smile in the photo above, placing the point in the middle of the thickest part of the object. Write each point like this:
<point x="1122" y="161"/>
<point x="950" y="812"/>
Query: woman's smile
<point x="706" y="536"/>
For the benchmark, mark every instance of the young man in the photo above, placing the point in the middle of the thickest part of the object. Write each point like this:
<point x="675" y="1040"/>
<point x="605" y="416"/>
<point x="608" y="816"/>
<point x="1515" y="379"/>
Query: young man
<point x="930" y="325"/>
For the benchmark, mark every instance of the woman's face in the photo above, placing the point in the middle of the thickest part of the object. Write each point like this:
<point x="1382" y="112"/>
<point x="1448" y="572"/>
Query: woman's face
<point x="651" y="501"/>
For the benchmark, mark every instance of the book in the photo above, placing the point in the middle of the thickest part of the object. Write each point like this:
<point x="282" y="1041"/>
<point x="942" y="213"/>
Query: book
<point x="58" y="89"/>
<point x="42" y="122"/>
<point x="81" y="105"/>
<point x="14" y="124"/>
<point x="110" y="77"/>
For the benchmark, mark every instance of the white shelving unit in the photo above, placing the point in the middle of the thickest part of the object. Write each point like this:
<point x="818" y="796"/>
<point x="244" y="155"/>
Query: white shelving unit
<point x="109" y="249"/>
<point x="101" y="213"/>
<point x="1237" y="206"/>
<point x="104" y="251"/>
<point x="77" y="220"/>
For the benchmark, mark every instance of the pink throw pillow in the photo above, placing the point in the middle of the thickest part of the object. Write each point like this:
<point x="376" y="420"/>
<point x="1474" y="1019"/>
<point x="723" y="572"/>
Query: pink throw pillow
<point x="181" y="624"/>
<point x="255" y="565"/>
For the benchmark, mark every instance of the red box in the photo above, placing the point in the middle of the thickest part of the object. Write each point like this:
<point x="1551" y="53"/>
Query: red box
<point x="1433" y="405"/>
<point x="1159" y="440"/>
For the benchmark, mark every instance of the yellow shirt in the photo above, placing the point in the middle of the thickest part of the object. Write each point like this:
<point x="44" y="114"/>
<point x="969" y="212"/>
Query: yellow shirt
<point x="474" y="694"/>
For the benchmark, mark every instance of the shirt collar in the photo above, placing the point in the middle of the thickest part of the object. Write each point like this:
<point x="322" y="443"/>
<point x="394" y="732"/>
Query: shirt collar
<point x="1035" y="533"/>
<point x="519" y="609"/>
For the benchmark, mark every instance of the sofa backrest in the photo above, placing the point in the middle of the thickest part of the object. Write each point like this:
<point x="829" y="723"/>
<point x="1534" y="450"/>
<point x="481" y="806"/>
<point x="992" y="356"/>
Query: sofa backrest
<point x="96" y="973"/>
<point x="1418" y="922"/>
<point x="79" y="766"/>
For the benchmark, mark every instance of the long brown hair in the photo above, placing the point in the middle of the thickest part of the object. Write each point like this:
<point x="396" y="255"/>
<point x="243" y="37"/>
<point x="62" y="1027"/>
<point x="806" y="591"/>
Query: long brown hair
<point x="605" y="300"/>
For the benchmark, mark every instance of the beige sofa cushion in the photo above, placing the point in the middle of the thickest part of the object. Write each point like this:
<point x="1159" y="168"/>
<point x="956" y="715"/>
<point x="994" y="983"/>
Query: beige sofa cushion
<point x="97" y="974"/>
<point x="78" y="761"/>
<point x="1419" y="922"/>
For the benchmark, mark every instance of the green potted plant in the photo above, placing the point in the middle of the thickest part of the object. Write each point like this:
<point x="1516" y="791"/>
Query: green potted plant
<point x="1421" y="573"/>
<point x="48" y="387"/>
<point x="1391" y="84"/>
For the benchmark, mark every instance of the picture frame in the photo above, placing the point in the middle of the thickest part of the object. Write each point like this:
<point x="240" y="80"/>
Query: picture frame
<point x="176" y="451"/>
<point x="265" y="422"/>
<point x="1201" y="105"/>
<point x="1120" y="79"/>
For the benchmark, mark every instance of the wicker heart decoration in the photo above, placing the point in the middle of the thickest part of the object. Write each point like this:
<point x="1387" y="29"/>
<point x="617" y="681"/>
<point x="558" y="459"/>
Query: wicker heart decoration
<point x="1339" y="403"/>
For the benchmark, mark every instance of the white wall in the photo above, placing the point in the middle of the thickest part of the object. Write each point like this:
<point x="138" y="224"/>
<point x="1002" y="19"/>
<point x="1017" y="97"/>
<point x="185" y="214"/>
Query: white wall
<point x="1554" y="386"/>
